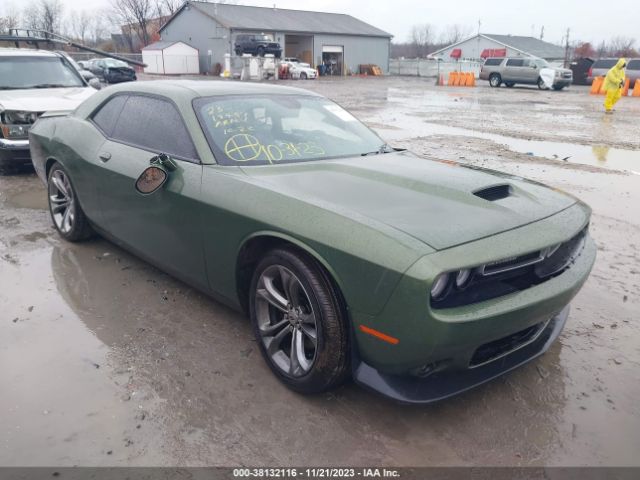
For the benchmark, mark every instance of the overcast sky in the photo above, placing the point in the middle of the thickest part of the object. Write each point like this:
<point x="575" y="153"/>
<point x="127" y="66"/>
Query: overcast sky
<point x="589" y="20"/>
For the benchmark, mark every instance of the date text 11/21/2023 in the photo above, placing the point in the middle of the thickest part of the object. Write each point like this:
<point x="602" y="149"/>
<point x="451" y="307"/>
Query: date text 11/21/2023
<point x="315" y="473"/>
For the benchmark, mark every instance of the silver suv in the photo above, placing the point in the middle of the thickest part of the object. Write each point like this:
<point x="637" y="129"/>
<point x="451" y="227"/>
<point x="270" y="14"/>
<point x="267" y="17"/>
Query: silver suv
<point x="522" y="70"/>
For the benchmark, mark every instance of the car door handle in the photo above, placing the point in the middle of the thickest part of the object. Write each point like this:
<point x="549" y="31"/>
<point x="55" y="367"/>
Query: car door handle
<point x="105" y="156"/>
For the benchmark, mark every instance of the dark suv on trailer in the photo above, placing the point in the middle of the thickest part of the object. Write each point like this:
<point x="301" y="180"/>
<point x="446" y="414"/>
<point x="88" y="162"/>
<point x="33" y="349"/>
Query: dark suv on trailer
<point x="257" y="45"/>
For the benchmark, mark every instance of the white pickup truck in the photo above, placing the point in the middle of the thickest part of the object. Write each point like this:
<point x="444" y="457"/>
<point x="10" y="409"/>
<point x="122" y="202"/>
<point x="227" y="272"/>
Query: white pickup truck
<point x="33" y="82"/>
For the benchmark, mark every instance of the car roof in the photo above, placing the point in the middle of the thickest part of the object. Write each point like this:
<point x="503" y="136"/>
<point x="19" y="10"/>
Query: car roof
<point x="207" y="88"/>
<point x="24" y="52"/>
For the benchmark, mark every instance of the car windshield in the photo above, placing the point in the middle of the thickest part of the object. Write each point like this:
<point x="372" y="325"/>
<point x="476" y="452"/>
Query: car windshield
<point x="37" y="72"/>
<point x="111" y="62"/>
<point x="261" y="130"/>
<point x="263" y="38"/>
<point x="541" y="63"/>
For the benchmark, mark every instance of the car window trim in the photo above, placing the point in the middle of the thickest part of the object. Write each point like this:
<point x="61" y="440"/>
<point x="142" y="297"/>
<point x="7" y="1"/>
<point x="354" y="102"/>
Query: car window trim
<point x="196" y="161"/>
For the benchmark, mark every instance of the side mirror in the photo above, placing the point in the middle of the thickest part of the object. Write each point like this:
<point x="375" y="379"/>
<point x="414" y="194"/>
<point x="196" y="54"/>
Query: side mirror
<point x="151" y="180"/>
<point x="95" y="83"/>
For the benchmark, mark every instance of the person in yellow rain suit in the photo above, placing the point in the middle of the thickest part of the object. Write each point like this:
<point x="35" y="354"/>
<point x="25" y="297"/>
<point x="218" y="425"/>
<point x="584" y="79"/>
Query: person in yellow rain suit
<point x="613" y="83"/>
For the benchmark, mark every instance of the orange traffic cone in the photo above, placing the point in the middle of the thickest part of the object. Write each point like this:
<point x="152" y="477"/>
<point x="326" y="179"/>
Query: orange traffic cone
<point x="602" y="91"/>
<point x="625" y="89"/>
<point x="636" y="89"/>
<point x="441" y="80"/>
<point x="456" y="79"/>
<point x="451" y="77"/>
<point x="471" y="79"/>
<point x="595" y="86"/>
<point x="463" y="79"/>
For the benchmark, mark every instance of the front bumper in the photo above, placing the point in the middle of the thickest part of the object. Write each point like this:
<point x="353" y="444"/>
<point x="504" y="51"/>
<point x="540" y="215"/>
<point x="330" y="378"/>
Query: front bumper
<point x="119" y="77"/>
<point x="14" y="152"/>
<point x="441" y="385"/>
<point x="448" y="341"/>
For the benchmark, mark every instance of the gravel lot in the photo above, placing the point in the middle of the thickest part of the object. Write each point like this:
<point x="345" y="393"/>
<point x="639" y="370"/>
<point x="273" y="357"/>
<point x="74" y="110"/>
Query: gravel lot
<point x="104" y="360"/>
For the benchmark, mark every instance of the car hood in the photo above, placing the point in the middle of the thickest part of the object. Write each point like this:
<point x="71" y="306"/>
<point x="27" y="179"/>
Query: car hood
<point x="44" y="99"/>
<point x="429" y="200"/>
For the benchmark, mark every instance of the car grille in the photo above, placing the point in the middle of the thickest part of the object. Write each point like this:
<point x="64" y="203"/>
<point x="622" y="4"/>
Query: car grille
<point x="515" y="274"/>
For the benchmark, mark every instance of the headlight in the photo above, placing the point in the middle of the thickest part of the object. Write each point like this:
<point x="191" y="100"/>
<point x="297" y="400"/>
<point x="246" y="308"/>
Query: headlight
<point x="463" y="277"/>
<point x="440" y="286"/>
<point x="14" y="117"/>
<point x="15" y="124"/>
<point x="15" y="132"/>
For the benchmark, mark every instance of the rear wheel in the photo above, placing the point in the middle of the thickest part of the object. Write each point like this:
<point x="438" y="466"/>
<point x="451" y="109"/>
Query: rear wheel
<point x="298" y="322"/>
<point x="261" y="51"/>
<point x="66" y="212"/>
<point x="509" y="84"/>
<point x="495" y="80"/>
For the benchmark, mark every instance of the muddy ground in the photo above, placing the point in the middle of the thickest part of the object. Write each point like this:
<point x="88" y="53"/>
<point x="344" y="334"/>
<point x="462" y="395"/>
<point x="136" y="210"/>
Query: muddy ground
<point x="104" y="360"/>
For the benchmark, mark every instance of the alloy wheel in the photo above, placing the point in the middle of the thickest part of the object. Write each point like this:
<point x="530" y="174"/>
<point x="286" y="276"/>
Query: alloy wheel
<point x="62" y="201"/>
<point x="286" y="320"/>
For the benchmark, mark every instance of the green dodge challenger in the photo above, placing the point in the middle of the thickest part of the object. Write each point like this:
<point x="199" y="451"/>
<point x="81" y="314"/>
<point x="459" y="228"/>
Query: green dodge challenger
<point x="420" y="279"/>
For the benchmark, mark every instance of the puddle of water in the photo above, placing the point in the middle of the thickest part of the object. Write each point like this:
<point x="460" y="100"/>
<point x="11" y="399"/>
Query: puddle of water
<point x="597" y="155"/>
<point x="32" y="199"/>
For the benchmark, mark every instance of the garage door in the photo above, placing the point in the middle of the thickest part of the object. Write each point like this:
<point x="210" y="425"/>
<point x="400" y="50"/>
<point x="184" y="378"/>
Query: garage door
<point x="333" y="59"/>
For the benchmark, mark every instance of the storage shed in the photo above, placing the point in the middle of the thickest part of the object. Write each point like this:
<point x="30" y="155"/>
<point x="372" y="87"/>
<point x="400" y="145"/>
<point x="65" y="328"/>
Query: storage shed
<point x="171" y="58"/>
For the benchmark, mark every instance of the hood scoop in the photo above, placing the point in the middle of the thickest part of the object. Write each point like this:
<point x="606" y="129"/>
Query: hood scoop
<point x="494" y="192"/>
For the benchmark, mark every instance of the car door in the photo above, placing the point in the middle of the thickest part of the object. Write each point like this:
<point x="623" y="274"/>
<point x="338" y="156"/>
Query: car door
<point x="163" y="227"/>
<point x="529" y="71"/>
<point x="513" y="70"/>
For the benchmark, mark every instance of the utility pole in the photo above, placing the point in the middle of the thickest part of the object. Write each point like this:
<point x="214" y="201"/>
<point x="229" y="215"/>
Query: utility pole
<point x="566" y="50"/>
<point x="542" y="32"/>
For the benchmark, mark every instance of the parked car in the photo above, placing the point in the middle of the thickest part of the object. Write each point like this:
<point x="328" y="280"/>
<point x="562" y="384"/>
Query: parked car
<point x="86" y="74"/>
<point x="512" y="71"/>
<point x="580" y="67"/>
<point x="33" y="82"/>
<point x="259" y="45"/>
<point x="603" y="65"/>
<point x="110" y="70"/>
<point x="301" y="71"/>
<point x="419" y="278"/>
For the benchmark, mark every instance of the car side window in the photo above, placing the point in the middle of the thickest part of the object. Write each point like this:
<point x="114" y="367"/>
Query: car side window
<point x="633" y="65"/>
<point x="155" y="125"/>
<point x="515" y="62"/>
<point x="106" y="117"/>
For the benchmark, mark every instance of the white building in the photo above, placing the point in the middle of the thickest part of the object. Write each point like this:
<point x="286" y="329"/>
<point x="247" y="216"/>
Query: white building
<point x="484" y="45"/>
<point x="171" y="58"/>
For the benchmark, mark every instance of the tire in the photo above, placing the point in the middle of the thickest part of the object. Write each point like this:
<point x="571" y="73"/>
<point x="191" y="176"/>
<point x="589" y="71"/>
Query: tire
<point x="510" y="84"/>
<point x="557" y="88"/>
<point x="238" y="52"/>
<point x="312" y="309"/>
<point x="66" y="213"/>
<point x="495" y="80"/>
<point x="541" y="84"/>
<point x="261" y="51"/>
<point x="303" y="76"/>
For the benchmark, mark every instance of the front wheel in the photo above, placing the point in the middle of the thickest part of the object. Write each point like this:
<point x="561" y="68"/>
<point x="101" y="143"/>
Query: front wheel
<point x="303" y="76"/>
<point x="298" y="322"/>
<point x="557" y="88"/>
<point x="66" y="212"/>
<point x="542" y="85"/>
<point x="509" y="84"/>
<point x="261" y="51"/>
<point x="495" y="80"/>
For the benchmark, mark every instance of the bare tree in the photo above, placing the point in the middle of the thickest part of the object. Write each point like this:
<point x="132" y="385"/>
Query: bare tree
<point x="134" y="15"/>
<point x="167" y="7"/>
<point x="422" y="39"/>
<point x="50" y="15"/>
<point x="621" y="46"/>
<point x="80" y="24"/>
<point x="455" y="33"/>
<point x="11" y="18"/>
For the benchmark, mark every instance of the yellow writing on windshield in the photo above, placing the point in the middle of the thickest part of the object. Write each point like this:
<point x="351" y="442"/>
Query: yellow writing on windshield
<point x="246" y="148"/>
